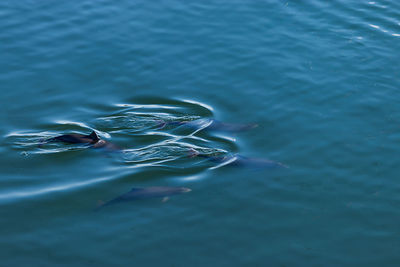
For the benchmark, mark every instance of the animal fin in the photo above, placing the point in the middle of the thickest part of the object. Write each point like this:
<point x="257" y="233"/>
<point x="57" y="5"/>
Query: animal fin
<point x="94" y="136"/>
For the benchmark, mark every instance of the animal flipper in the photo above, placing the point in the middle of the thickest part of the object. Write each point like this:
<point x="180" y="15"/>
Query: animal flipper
<point x="193" y="153"/>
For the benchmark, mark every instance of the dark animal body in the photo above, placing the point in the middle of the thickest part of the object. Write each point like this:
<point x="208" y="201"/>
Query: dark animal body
<point x="90" y="139"/>
<point x="240" y="161"/>
<point x="147" y="192"/>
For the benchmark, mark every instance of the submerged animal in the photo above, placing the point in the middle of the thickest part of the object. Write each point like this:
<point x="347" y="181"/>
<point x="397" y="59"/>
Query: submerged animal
<point x="210" y="125"/>
<point x="138" y="193"/>
<point x="90" y="139"/>
<point x="230" y="127"/>
<point x="239" y="160"/>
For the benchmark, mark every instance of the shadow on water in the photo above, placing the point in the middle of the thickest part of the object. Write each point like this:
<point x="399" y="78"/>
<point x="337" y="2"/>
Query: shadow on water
<point x="180" y="136"/>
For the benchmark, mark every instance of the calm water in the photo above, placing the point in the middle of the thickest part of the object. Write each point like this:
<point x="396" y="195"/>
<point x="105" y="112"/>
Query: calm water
<point x="320" y="78"/>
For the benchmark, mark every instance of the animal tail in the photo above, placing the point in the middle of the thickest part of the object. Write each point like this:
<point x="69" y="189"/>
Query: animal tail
<point x="284" y="165"/>
<point x="100" y="204"/>
<point x="44" y="141"/>
<point x="275" y="164"/>
<point x="161" y="124"/>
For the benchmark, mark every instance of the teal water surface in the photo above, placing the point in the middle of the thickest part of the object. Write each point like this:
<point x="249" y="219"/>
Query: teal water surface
<point x="319" y="79"/>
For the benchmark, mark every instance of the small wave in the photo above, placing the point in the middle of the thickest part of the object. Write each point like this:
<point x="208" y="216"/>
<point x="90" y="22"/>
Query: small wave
<point x="139" y="121"/>
<point x="176" y="153"/>
<point x="163" y="135"/>
<point x="27" y="193"/>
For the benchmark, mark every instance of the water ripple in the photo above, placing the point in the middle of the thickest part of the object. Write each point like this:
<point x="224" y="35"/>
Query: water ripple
<point x="154" y="133"/>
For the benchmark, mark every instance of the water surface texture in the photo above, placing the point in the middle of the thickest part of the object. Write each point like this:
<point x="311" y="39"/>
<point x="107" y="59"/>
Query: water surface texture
<point x="319" y="78"/>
